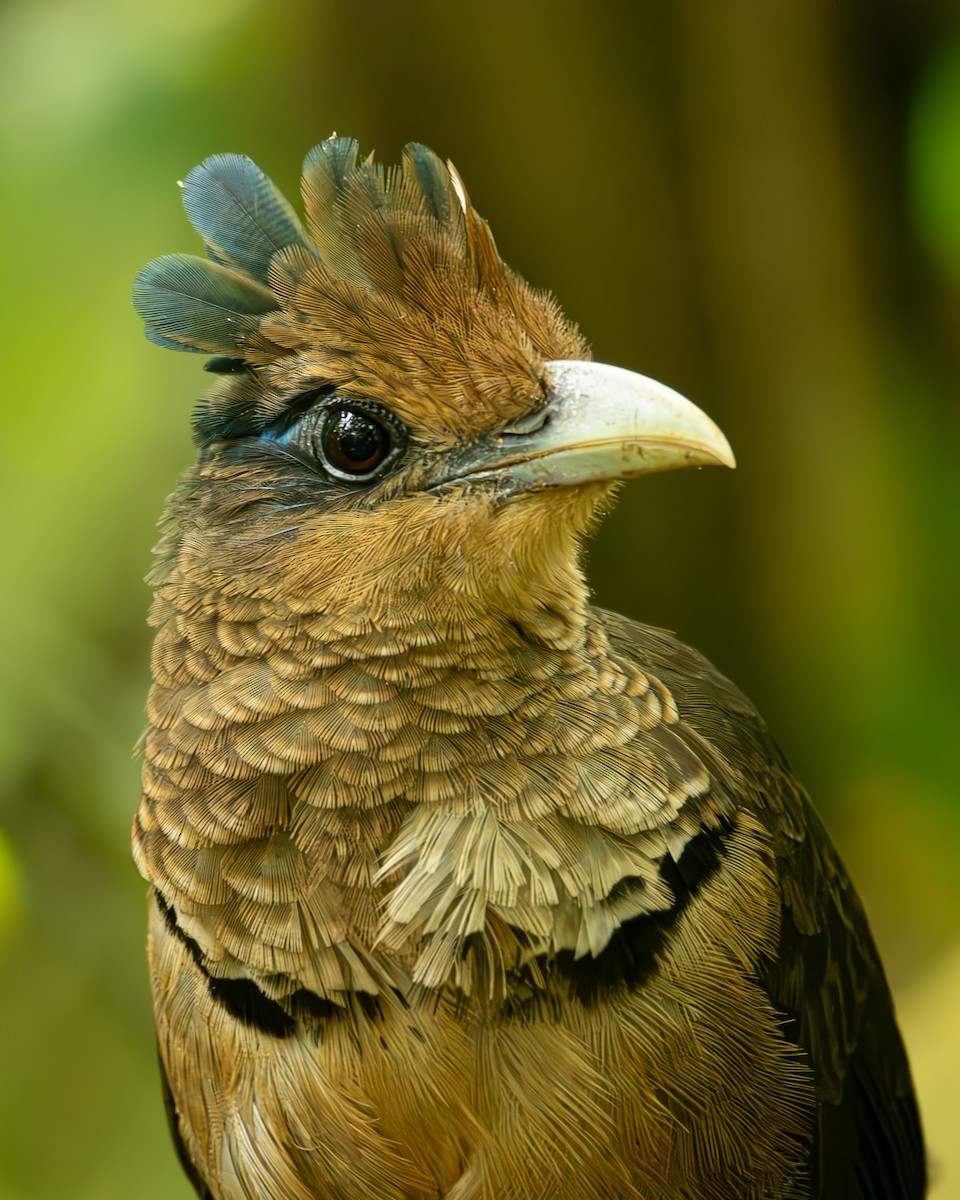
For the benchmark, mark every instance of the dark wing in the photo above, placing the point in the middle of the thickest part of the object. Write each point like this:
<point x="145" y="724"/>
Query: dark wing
<point x="827" y="979"/>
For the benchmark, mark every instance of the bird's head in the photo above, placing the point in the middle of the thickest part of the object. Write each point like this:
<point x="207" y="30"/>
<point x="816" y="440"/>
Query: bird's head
<point x="400" y="419"/>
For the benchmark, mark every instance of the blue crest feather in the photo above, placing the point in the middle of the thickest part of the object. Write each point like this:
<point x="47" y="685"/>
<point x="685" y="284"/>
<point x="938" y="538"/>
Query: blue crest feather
<point x="362" y="225"/>
<point x="241" y="216"/>
<point x="433" y="179"/>
<point x="188" y="303"/>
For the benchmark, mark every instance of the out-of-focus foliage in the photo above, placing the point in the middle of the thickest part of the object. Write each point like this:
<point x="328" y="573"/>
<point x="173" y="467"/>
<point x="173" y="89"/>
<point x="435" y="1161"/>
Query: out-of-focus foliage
<point x="757" y="203"/>
<point x="10" y="901"/>
<point x="935" y="158"/>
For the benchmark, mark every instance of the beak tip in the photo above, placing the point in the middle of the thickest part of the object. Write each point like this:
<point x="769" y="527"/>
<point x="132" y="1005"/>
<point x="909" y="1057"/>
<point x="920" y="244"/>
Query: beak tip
<point x="711" y="448"/>
<point x="726" y="458"/>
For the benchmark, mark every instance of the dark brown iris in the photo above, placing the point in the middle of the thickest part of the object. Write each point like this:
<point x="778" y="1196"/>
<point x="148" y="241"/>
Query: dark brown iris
<point x="355" y="443"/>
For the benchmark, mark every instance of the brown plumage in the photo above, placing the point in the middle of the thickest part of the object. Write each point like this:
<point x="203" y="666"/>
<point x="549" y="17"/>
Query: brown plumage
<point x="461" y="887"/>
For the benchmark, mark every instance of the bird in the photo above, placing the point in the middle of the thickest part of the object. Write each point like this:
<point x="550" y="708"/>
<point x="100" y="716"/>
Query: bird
<point x="460" y="886"/>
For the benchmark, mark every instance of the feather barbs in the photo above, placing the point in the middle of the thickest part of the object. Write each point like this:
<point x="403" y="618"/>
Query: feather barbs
<point x="365" y="226"/>
<point x="391" y="275"/>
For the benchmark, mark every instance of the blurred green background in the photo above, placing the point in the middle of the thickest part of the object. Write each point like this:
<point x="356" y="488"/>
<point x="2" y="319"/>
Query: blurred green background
<point x="757" y="202"/>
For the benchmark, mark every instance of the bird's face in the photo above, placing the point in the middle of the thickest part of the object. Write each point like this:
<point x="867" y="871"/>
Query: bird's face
<point x="404" y="425"/>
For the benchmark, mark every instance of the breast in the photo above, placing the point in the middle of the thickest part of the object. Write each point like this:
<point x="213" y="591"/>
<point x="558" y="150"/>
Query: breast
<point x="559" y="1094"/>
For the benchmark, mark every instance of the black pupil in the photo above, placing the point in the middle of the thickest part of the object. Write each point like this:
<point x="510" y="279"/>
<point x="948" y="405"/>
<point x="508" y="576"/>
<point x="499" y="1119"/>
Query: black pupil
<point x="355" y="443"/>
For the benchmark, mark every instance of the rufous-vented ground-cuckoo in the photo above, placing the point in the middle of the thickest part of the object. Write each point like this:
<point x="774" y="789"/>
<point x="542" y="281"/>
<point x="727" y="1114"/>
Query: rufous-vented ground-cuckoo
<point x="461" y="887"/>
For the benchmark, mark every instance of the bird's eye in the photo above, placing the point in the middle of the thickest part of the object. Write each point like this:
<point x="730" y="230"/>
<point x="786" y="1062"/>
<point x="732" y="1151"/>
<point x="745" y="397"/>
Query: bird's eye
<point x="357" y="445"/>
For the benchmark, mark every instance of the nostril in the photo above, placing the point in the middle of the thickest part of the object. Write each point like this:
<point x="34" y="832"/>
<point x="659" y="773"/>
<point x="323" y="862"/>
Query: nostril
<point x="530" y="423"/>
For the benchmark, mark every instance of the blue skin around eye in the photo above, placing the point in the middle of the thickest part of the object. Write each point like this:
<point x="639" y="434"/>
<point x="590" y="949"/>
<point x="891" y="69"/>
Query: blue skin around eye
<point x="281" y="436"/>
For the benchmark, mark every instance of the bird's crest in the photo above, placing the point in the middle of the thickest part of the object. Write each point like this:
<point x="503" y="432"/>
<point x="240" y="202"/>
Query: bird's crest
<point x="392" y="283"/>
